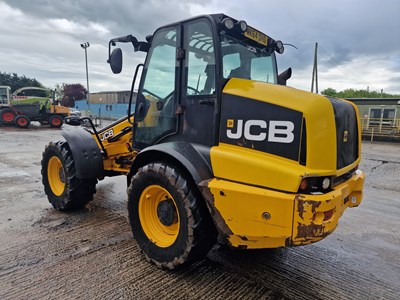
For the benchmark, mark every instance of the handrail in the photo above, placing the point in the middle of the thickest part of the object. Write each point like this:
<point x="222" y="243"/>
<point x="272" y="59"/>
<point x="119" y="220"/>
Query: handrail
<point x="380" y="127"/>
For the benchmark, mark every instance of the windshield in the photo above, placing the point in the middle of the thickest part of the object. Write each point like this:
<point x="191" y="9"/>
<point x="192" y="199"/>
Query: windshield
<point x="245" y="59"/>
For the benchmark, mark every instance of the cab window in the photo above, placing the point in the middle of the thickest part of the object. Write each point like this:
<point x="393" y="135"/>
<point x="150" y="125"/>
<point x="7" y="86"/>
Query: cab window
<point x="157" y="94"/>
<point x="241" y="59"/>
<point x="200" y="59"/>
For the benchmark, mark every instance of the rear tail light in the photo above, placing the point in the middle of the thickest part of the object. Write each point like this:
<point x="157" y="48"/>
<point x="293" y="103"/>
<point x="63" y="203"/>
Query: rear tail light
<point x="315" y="185"/>
<point x="304" y="184"/>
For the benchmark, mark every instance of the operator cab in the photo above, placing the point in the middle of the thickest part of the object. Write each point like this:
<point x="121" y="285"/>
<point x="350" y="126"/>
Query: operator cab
<point x="186" y="68"/>
<point x="5" y="95"/>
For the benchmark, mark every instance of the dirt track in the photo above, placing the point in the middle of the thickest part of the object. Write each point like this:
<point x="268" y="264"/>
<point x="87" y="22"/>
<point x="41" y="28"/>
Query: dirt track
<point x="45" y="254"/>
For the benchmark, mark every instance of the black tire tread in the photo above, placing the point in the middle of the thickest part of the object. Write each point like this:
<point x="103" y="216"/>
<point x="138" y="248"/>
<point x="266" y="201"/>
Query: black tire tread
<point x="201" y="231"/>
<point x="56" y="117"/>
<point x="3" y="111"/>
<point x="20" y="117"/>
<point x="78" y="192"/>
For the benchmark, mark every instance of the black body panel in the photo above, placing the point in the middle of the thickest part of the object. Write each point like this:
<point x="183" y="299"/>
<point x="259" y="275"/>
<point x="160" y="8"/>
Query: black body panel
<point x="194" y="158"/>
<point x="86" y="153"/>
<point x="346" y="132"/>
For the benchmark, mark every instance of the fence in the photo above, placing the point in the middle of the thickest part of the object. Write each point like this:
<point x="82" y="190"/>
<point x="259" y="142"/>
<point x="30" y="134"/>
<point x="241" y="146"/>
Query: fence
<point x="381" y="129"/>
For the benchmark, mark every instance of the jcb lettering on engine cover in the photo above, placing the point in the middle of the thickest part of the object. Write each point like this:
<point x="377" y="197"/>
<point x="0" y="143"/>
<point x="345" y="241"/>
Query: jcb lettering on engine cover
<point x="107" y="134"/>
<point x="261" y="126"/>
<point x="256" y="130"/>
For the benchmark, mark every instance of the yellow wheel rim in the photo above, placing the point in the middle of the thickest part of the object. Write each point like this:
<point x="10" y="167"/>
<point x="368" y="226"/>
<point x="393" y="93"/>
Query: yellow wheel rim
<point x="160" y="234"/>
<point x="56" y="176"/>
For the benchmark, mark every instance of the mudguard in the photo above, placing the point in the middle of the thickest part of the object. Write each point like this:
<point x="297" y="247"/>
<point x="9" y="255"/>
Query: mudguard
<point x="86" y="153"/>
<point x="194" y="158"/>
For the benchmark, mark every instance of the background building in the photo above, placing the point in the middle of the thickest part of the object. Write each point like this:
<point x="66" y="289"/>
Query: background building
<point x="107" y="105"/>
<point x="380" y="118"/>
<point x="112" y="97"/>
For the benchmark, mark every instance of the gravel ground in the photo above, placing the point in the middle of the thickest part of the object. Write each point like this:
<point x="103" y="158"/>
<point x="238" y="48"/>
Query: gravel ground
<point x="90" y="254"/>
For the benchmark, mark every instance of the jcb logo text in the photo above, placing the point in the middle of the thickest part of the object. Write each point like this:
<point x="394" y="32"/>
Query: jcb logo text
<point x="259" y="130"/>
<point x="107" y="134"/>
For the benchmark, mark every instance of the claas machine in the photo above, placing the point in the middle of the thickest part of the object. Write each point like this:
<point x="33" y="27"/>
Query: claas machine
<point x="217" y="146"/>
<point x="21" y="110"/>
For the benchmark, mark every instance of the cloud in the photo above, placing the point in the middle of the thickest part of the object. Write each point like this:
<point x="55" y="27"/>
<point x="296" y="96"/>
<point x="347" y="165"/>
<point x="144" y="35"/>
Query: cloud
<point x="41" y="38"/>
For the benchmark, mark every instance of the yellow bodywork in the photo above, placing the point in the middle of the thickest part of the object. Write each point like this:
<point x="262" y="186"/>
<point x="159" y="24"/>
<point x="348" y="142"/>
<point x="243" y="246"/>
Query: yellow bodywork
<point x="119" y="152"/>
<point x="255" y="193"/>
<point x="59" y="109"/>
<point x="263" y="218"/>
<point x="254" y="196"/>
<point x="232" y="162"/>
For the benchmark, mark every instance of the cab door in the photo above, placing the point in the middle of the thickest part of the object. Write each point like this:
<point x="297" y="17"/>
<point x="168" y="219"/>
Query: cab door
<point x="199" y="95"/>
<point x="157" y="98"/>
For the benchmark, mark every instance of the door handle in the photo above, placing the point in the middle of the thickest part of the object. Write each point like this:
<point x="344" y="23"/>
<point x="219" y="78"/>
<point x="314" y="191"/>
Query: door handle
<point x="206" y="101"/>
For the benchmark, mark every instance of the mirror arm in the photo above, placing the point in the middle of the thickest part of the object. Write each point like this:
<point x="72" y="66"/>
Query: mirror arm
<point x="131" y="95"/>
<point x="109" y="50"/>
<point x="143" y="47"/>
<point x="123" y="39"/>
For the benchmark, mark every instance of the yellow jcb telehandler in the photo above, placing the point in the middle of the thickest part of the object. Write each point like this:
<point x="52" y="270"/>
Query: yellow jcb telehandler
<point x="217" y="145"/>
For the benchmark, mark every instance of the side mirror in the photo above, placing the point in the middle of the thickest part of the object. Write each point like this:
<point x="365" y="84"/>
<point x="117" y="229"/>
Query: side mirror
<point x="115" y="60"/>
<point x="284" y="76"/>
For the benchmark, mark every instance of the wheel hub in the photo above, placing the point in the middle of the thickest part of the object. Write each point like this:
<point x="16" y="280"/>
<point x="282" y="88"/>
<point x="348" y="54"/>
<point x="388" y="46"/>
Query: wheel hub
<point x="56" y="175"/>
<point x="61" y="174"/>
<point x="159" y="216"/>
<point x="8" y="116"/>
<point x="166" y="212"/>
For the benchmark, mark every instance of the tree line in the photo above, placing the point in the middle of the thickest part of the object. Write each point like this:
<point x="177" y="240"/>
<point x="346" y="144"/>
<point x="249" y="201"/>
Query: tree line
<point x="353" y="93"/>
<point x="15" y="82"/>
<point x="67" y="94"/>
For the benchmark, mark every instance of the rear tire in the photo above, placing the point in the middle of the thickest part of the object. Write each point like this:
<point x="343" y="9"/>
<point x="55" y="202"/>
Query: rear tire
<point x="168" y="216"/>
<point x="64" y="190"/>
<point x="22" y="121"/>
<point x="7" y="116"/>
<point x="56" y="121"/>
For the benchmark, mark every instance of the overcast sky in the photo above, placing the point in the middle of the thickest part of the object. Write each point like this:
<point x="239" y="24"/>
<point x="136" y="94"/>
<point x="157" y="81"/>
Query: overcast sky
<point x="359" y="40"/>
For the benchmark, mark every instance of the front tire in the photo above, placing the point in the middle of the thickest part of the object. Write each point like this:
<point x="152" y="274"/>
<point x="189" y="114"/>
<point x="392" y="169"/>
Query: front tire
<point x="63" y="189"/>
<point x="168" y="216"/>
